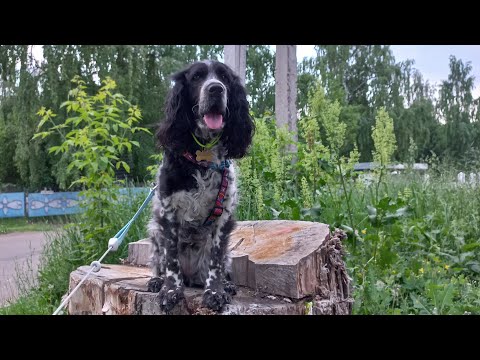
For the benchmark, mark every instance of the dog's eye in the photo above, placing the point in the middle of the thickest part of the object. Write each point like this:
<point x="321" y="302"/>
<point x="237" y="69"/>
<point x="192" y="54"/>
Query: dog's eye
<point x="224" y="76"/>
<point x="196" y="76"/>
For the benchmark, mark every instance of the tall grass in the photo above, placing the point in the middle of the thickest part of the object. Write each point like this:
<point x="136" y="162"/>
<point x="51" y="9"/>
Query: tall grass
<point x="413" y="243"/>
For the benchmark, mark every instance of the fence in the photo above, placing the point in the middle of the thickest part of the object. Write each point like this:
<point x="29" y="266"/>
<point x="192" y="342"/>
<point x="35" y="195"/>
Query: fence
<point x="473" y="179"/>
<point x="21" y="204"/>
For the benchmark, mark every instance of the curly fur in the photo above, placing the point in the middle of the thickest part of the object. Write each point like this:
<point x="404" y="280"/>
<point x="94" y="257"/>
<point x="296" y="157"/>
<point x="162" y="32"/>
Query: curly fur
<point x="186" y="252"/>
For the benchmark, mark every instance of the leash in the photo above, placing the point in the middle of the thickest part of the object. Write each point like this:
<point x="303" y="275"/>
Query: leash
<point x="217" y="210"/>
<point x="113" y="245"/>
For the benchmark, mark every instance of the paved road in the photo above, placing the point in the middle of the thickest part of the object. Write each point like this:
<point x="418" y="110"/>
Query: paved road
<point x="17" y="250"/>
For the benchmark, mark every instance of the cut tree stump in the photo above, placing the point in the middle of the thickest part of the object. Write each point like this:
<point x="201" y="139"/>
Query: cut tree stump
<point x="280" y="267"/>
<point x="122" y="290"/>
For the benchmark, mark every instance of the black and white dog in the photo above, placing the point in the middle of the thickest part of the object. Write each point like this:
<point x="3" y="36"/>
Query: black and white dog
<point x="207" y="124"/>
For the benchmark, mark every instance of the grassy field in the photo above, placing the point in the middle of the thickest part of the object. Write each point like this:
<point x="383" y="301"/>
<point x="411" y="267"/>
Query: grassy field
<point x="32" y="224"/>
<point x="413" y="243"/>
<point x="416" y="251"/>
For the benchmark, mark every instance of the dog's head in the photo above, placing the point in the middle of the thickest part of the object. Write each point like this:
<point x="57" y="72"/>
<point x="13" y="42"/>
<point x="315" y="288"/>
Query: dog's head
<point x="207" y="98"/>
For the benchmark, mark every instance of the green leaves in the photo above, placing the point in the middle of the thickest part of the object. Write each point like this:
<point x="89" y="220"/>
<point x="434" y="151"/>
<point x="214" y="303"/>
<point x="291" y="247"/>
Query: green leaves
<point x="46" y="116"/>
<point x="383" y="138"/>
<point x="124" y="164"/>
<point x="386" y="211"/>
<point x="95" y="138"/>
<point x="42" y="135"/>
<point x="103" y="163"/>
<point x="327" y="113"/>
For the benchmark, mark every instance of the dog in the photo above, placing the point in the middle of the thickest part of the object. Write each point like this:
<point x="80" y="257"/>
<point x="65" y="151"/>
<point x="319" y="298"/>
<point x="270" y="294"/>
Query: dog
<point x="207" y="126"/>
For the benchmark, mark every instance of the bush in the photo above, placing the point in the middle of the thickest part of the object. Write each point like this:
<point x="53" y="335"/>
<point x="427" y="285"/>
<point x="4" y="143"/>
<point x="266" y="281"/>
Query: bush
<point x="94" y="140"/>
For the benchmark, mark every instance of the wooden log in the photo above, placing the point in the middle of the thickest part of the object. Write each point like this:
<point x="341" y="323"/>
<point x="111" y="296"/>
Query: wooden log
<point x="121" y="290"/>
<point x="296" y="260"/>
<point x="139" y="253"/>
<point x="90" y="297"/>
<point x="281" y="255"/>
<point x="333" y="293"/>
<point x="277" y="257"/>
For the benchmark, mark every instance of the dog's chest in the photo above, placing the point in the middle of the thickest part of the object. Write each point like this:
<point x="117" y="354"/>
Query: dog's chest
<point x="194" y="205"/>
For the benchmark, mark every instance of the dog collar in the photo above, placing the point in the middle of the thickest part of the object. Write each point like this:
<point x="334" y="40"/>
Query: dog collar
<point x="208" y="145"/>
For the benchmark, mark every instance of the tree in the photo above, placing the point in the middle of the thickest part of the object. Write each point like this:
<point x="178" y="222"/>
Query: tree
<point x="260" y="78"/>
<point x="141" y="73"/>
<point x="456" y="107"/>
<point x="361" y="78"/>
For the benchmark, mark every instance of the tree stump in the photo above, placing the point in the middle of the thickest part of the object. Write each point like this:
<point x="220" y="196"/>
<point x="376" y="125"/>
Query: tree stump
<point x="280" y="267"/>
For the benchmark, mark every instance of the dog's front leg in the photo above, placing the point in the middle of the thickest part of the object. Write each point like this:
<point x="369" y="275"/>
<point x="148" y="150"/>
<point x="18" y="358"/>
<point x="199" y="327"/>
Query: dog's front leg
<point x="217" y="290"/>
<point x="172" y="290"/>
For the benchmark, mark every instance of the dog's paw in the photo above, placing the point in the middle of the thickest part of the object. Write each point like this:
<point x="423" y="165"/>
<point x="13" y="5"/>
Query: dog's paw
<point x="230" y="287"/>
<point x="169" y="296"/>
<point x="155" y="284"/>
<point x="215" y="300"/>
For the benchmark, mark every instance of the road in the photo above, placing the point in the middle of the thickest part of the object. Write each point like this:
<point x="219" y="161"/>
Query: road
<point x="18" y="250"/>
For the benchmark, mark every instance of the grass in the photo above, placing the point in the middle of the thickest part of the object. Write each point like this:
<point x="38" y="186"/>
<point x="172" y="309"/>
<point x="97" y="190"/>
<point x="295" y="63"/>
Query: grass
<point x="41" y="297"/>
<point x="424" y="261"/>
<point x="416" y="253"/>
<point x="47" y="223"/>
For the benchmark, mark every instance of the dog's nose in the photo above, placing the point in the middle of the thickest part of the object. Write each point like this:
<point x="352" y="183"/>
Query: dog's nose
<point x="215" y="89"/>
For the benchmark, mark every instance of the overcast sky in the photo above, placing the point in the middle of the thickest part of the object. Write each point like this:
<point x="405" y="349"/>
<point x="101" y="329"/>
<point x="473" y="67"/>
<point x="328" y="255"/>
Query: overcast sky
<point x="431" y="60"/>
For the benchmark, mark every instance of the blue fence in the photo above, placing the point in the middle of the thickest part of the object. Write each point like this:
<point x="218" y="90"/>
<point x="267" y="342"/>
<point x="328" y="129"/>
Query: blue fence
<point x="12" y="205"/>
<point x="61" y="203"/>
<point x="64" y="203"/>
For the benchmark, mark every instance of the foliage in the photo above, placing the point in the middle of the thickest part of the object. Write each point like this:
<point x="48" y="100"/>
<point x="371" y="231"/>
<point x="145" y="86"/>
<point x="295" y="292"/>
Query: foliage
<point x="361" y="78"/>
<point x="412" y="243"/>
<point x="383" y="138"/>
<point x="28" y="82"/>
<point x="259" y="78"/>
<point x="384" y="142"/>
<point x="95" y="140"/>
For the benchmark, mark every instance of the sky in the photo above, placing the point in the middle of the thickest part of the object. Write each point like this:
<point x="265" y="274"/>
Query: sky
<point x="431" y="60"/>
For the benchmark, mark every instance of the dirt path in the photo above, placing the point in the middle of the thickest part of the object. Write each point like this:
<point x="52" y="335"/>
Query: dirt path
<point x="19" y="249"/>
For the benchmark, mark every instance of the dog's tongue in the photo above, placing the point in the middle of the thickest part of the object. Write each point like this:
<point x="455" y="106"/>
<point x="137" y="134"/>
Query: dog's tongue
<point x="213" y="121"/>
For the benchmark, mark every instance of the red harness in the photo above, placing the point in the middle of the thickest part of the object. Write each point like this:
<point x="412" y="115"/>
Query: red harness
<point x="217" y="210"/>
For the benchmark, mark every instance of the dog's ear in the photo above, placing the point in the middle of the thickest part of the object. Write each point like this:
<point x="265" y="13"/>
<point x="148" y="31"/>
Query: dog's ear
<point x="239" y="126"/>
<point x="173" y="132"/>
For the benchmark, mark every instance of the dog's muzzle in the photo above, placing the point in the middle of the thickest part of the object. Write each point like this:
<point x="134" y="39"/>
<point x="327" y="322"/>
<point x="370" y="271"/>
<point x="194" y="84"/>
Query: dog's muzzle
<point x="213" y="104"/>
